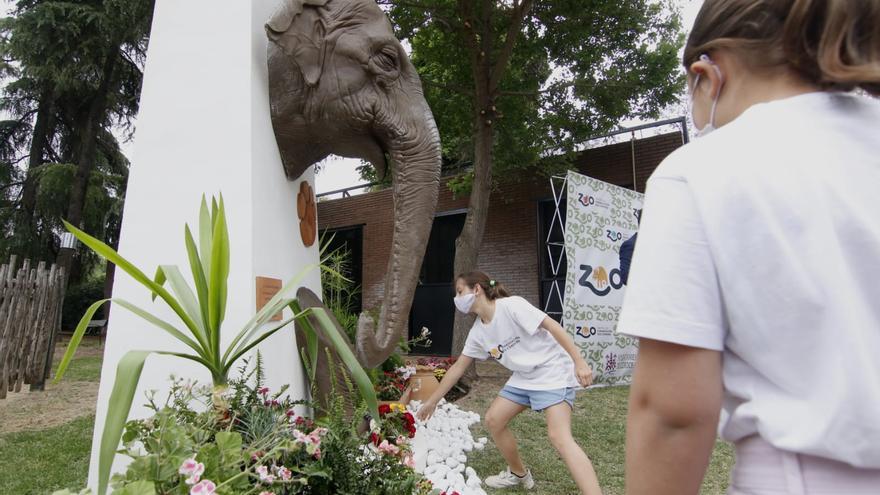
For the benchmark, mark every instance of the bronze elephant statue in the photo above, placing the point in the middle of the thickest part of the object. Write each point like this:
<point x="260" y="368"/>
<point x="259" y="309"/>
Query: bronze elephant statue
<point x="340" y="83"/>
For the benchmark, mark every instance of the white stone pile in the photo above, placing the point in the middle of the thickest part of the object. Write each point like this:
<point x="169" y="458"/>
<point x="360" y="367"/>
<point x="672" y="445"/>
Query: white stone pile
<point x="441" y="446"/>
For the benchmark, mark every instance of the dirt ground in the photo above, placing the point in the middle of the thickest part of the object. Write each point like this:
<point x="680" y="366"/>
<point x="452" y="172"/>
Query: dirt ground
<point x="58" y="404"/>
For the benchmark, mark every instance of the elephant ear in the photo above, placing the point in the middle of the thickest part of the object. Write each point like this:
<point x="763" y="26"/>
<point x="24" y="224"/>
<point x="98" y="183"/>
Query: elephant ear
<point x="300" y="34"/>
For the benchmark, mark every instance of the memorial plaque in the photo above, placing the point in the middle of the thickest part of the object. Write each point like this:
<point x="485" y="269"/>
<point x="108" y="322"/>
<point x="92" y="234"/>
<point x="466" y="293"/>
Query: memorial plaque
<point x="266" y="290"/>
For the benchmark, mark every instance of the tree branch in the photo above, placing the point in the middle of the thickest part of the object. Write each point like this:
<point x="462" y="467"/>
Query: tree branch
<point x="435" y="11"/>
<point x="516" y="19"/>
<point x="454" y="89"/>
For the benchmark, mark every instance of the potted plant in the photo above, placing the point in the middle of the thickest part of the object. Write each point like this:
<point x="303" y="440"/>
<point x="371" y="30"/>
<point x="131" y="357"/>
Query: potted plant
<point x="201" y="311"/>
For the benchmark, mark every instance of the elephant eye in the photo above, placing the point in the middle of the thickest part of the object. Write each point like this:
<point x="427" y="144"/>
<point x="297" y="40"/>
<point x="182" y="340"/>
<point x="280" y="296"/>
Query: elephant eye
<point x="386" y="58"/>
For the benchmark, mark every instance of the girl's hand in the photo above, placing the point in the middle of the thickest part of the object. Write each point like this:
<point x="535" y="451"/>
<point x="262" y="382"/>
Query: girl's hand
<point x="583" y="373"/>
<point x="426" y="410"/>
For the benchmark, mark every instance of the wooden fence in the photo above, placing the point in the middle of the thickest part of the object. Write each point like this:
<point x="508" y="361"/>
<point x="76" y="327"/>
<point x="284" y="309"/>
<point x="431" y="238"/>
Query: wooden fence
<point x="30" y="317"/>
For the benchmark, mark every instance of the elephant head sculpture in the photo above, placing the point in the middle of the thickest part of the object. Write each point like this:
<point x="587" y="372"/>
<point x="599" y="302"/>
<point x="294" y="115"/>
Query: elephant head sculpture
<point x="341" y="83"/>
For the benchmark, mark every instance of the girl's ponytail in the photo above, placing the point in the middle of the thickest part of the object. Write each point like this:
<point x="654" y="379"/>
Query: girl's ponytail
<point x="491" y="287"/>
<point x="834" y="44"/>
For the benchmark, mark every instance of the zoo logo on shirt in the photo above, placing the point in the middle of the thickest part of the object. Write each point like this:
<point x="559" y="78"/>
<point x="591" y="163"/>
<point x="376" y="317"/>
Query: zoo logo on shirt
<point x="585" y="332"/>
<point x="604" y="280"/>
<point x="498" y="351"/>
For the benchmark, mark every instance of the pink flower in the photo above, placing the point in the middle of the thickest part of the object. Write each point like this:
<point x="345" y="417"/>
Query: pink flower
<point x="263" y="390"/>
<point x="206" y="487"/>
<point x="266" y="493"/>
<point x="192" y="469"/>
<point x="409" y="462"/>
<point x="388" y="448"/>
<point x="300" y="437"/>
<point x="285" y="473"/>
<point x="317" y="453"/>
<point x="265" y="477"/>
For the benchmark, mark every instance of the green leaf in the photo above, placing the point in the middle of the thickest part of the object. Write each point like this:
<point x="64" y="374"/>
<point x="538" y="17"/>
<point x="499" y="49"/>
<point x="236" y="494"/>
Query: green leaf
<point x="159" y="279"/>
<point x="227" y="364"/>
<point x="310" y="353"/>
<point x="340" y="345"/>
<point x="229" y="443"/>
<point x="77" y="338"/>
<point x="128" y="374"/>
<point x="163" y="325"/>
<point x="198" y="273"/>
<point x="112" y="256"/>
<point x="205" y="228"/>
<point x="137" y="488"/>
<point x="276" y="304"/>
<point x="219" y="275"/>
<point x="187" y="300"/>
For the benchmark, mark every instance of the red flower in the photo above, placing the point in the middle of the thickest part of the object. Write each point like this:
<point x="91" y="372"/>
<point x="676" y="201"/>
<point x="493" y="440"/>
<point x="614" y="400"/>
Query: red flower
<point x="299" y="420"/>
<point x="384" y="409"/>
<point x="408" y="417"/>
<point x="375" y="439"/>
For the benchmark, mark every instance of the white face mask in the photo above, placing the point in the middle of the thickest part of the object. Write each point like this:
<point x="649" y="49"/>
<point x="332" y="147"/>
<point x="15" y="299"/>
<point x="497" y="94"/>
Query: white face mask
<point x="710" y="126"/>
<point x="464" y="302"/>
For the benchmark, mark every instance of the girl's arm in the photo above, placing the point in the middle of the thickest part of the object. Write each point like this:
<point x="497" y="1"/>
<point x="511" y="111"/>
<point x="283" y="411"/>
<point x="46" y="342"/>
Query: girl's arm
<point x="674" y="405"/>
<point x="453" y="374"/>
<point x="581" y="369"/>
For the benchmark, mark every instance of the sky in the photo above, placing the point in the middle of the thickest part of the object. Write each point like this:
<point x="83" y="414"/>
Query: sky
<point x="338" y="173"/>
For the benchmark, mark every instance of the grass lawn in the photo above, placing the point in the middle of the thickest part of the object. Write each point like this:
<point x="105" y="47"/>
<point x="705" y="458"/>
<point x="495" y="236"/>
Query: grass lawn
<point x="45" y="437"/>
<point x="599" y="427"/>
<point x="39" y="462"/>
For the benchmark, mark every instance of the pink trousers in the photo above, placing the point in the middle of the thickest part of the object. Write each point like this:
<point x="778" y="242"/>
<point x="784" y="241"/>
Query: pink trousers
<point x="762" y="469"/>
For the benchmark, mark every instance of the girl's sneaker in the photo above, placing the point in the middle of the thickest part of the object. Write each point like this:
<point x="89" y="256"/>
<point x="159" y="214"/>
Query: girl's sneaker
<point x="506" y="479"/>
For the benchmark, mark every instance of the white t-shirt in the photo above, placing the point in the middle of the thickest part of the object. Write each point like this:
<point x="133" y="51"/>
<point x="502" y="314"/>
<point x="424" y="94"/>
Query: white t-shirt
<point x="762" y="240"/>
<point x="515" y="339"/>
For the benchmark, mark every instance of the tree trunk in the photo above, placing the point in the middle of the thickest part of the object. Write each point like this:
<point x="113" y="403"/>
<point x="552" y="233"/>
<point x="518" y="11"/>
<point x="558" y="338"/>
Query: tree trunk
<point x="39" y="142"/>
<point x="86" y="154"/>
<point x="467" y="246"/>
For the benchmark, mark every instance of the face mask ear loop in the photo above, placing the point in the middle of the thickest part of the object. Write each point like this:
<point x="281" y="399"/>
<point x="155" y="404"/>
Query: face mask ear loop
<point x="706" y="58"/>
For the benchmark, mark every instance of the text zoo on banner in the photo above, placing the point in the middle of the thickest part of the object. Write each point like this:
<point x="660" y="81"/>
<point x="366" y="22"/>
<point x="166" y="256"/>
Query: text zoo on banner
<point x="600" y="217"/>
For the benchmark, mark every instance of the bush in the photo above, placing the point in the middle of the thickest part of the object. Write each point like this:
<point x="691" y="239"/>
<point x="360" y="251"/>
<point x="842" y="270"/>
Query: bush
<point x="78" y="299"/>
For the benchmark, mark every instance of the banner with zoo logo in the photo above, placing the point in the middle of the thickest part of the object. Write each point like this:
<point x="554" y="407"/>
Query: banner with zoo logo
<point x="600" y="217"/>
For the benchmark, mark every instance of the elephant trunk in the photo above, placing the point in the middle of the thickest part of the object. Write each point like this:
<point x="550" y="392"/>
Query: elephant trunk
<point x="416" y="156"/>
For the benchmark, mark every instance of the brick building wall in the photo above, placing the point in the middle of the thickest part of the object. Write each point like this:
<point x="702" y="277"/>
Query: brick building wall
<point x="511" y="247"/>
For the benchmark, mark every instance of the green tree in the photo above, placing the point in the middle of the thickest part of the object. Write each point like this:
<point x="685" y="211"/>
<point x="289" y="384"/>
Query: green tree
<point x="74" y="71"/>
<point x="512" y="82"/>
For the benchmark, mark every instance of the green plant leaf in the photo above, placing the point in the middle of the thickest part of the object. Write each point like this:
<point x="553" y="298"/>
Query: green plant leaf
<point x="263" y="336"/>
<point x="128" y="374"/>
<point x="159" y="279"/>
<point x="187" y="299"/>
<point x="340" y="345"/>
<point x="229" y="444"/>
<point x="112" y="256"/>
<point x="217" y="285"/>
<point x="276" y="304"/>
<point x="174" y="332"/>
<point x="205" y="230"/>
<point x="77" y="338"/>
<point x="310" y="353"/>
<point x="138" y="488"/>
<point x="198" y="273"/>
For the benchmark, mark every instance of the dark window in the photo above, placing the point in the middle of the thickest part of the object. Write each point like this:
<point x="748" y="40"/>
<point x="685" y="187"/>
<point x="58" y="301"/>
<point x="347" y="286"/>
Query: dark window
<point x="352" y="240"/>
<point x="551" y="246"/>
<point x="432" y="303"/>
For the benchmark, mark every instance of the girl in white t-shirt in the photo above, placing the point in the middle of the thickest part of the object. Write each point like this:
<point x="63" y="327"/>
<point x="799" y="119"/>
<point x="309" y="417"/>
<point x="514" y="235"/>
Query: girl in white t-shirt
<point x="755" y="284"/>
<point x="546" y="365"/>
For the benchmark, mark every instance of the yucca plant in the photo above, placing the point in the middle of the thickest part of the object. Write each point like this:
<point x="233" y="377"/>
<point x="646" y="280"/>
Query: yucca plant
<point x="201" y="313"/>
